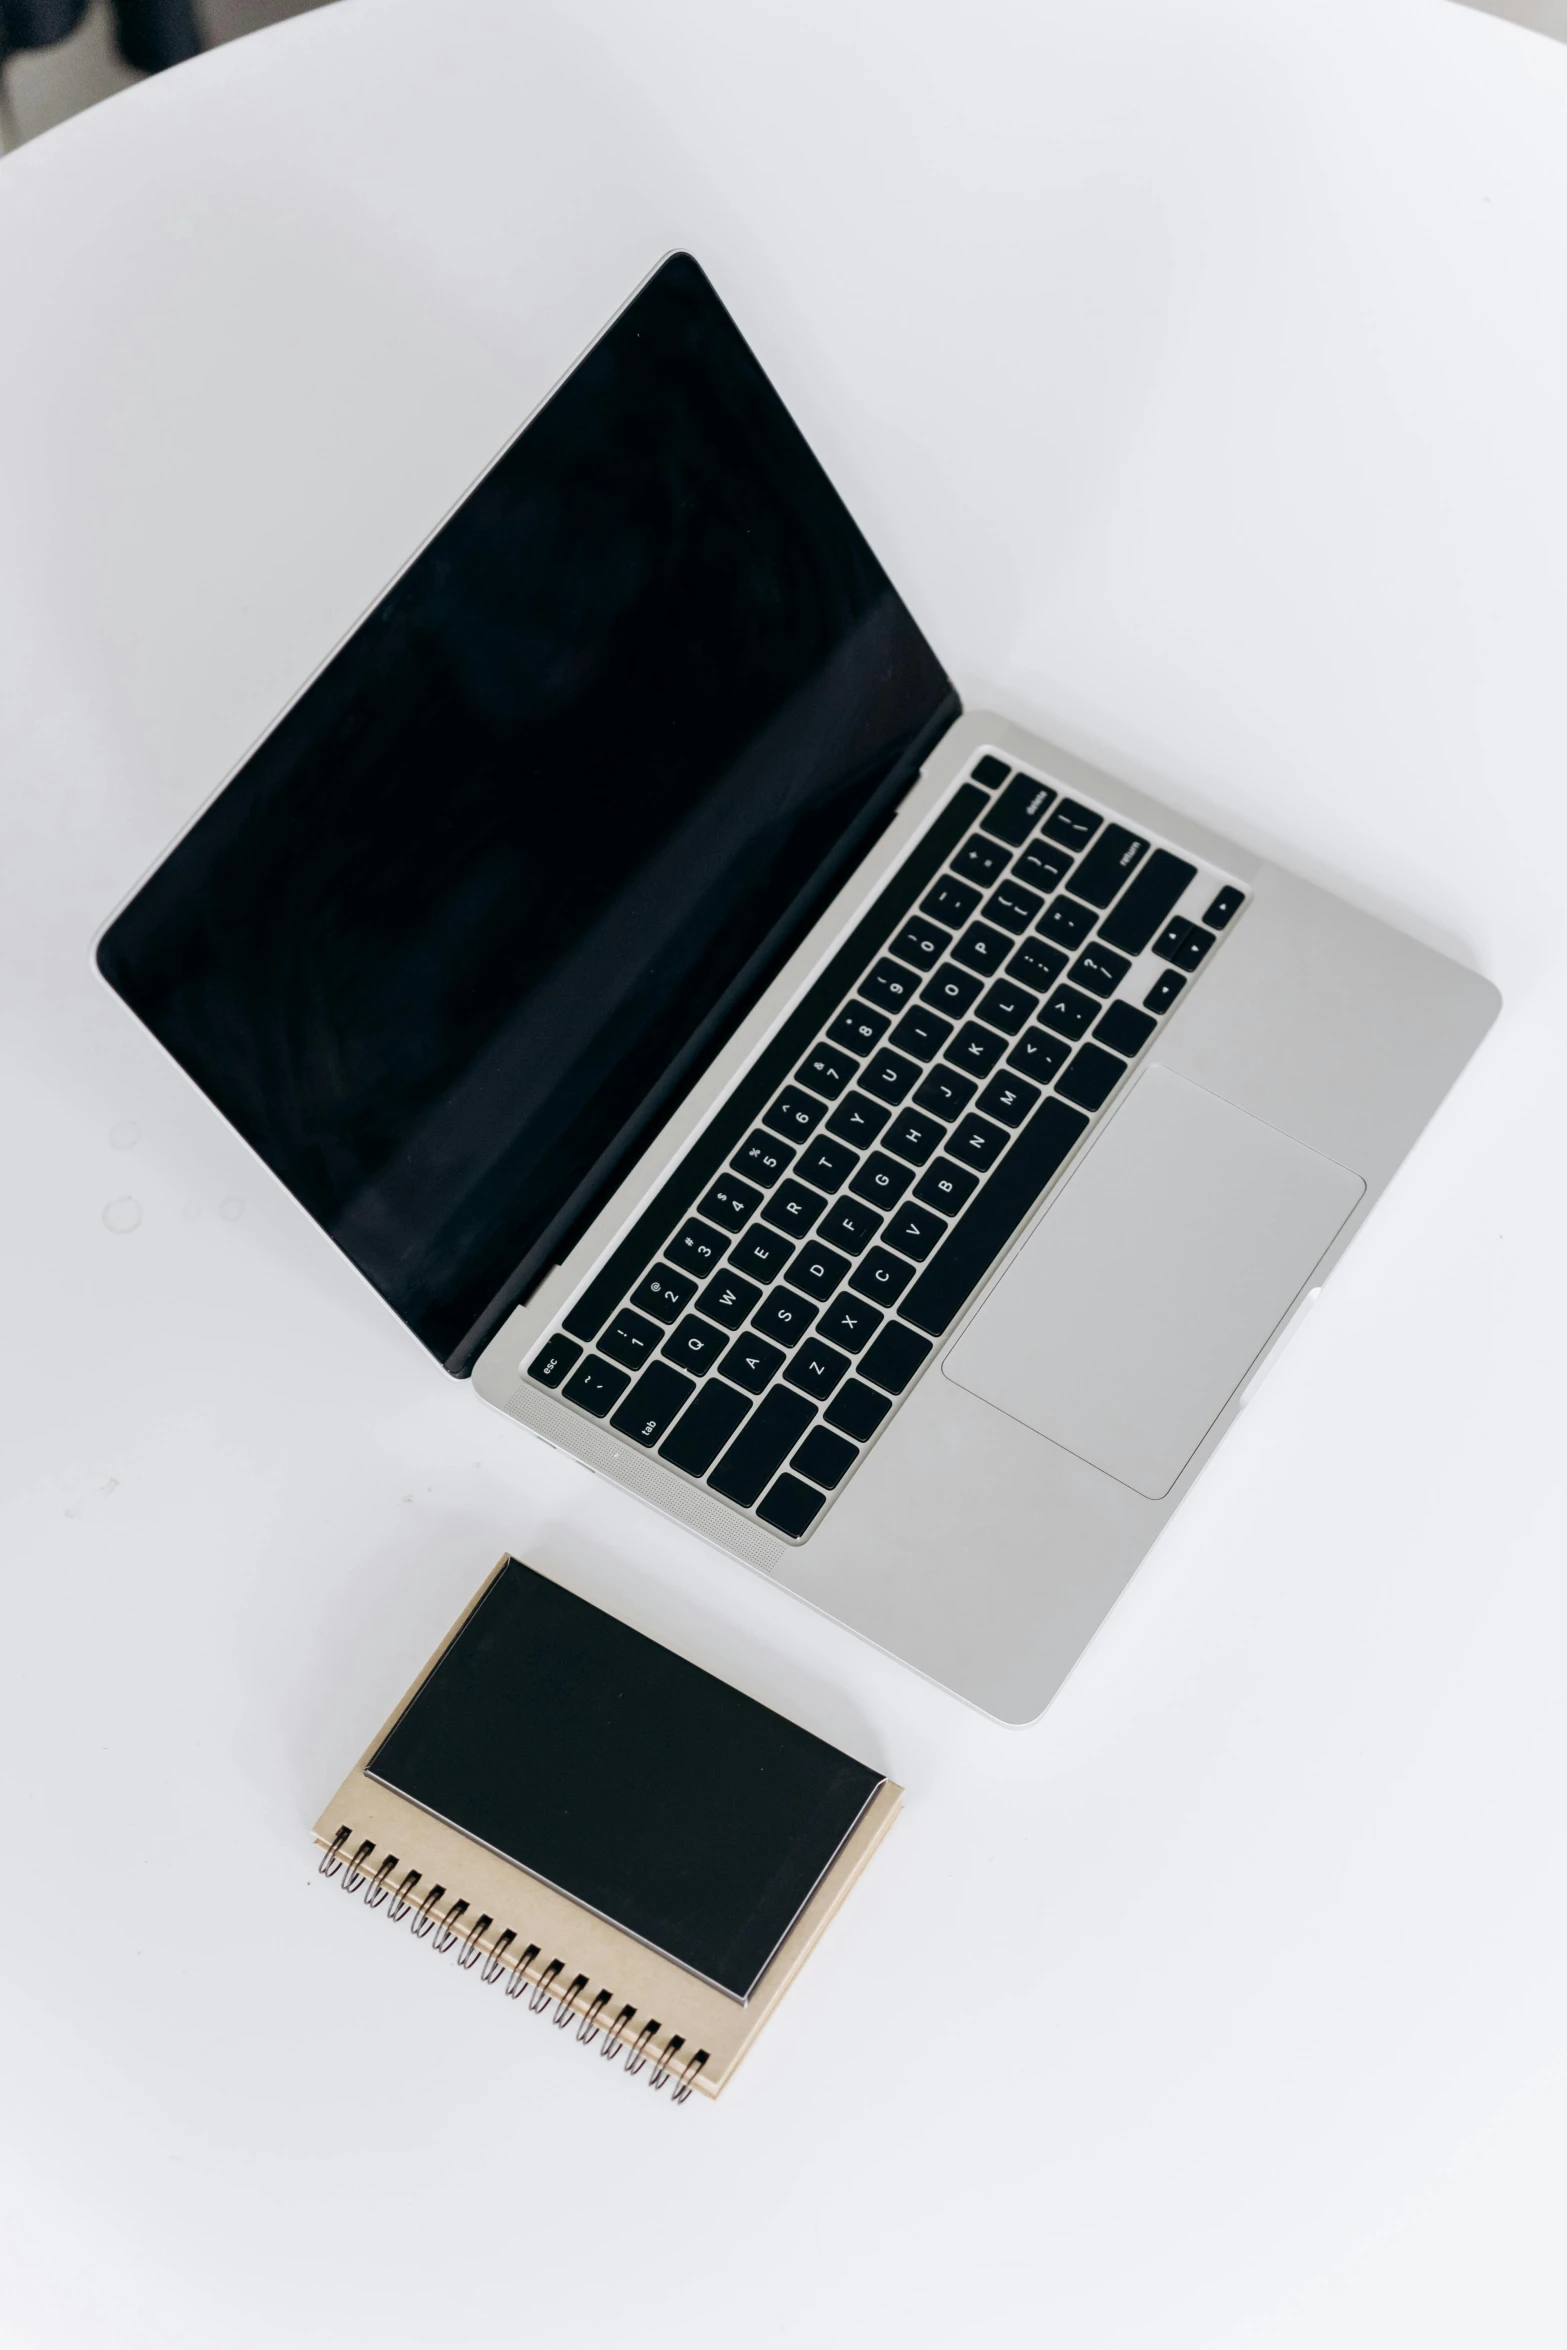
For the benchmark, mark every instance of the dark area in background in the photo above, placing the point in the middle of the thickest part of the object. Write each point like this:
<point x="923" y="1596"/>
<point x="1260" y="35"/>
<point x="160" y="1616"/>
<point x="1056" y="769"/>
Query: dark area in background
<point x="58" y="57"/>
<point x="150" y="34"/>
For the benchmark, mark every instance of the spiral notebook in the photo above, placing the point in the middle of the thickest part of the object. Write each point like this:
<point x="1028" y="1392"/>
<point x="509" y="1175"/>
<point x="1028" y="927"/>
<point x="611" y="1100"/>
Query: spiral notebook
<point x="606" y="1829"/>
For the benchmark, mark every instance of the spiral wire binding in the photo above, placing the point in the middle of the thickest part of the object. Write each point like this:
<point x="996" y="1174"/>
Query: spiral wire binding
<point x="501" y="1957"/>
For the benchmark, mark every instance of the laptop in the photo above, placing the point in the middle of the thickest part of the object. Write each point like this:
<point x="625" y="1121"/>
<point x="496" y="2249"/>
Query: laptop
<point x="877" y="1139"/>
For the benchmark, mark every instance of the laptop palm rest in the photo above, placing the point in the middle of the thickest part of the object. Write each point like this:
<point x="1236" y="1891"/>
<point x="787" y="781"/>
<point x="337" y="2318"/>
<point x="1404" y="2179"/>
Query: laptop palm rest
<point x="1155" y="1281"/>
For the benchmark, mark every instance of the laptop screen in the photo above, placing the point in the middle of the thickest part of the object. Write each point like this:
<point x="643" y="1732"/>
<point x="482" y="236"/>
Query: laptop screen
<point x="499" y="884"/>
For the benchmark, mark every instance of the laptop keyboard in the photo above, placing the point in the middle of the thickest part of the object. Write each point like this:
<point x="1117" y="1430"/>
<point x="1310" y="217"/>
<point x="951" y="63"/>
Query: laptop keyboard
<point x="796" y="1271"/>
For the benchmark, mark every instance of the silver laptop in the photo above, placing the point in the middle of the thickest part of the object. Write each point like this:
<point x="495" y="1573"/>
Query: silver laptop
<point x="883" y="1143"/>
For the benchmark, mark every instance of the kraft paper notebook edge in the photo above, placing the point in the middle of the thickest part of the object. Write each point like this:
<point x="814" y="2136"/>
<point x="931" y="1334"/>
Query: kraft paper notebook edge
<point x="514" y="1924"/>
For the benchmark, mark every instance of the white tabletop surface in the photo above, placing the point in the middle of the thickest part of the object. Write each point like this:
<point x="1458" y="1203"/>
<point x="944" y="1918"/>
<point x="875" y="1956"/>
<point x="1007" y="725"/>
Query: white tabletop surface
<point x="1196" y="367"/>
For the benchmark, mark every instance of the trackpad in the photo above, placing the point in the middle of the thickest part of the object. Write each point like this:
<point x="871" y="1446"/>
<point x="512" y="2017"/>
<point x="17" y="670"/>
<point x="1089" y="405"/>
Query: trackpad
<point x="1156" y="1279"/>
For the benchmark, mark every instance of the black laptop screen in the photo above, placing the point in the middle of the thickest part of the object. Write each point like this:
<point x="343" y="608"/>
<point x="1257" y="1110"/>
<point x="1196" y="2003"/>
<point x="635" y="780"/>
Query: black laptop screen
<point x="496" y="887"/>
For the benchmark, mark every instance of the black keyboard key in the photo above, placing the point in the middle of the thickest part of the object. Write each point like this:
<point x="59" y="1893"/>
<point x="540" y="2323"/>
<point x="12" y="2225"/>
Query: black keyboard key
<point x="857" y="1120"/>
<point x="1069" y="1013"/>
<point x="858" y="1410"/>
<point x="1170" y="937"/>
<point x="913" y="1231"/>
<point x="1013" y="817"/>
<point x="1183" y="943"/>
<point x="945" y="1094"/>
<point x="752" y="1363"/>
<point x="976" y="1050"/>
<point x="1073" y="825"/>
<point x="889" y="985"/>
<point x="824" y="1458"/>
<point x="552" y="1363"/>
<point x="595" y="1385"/>
<point x="1225" y="907"/>
<point x="1013" y="906"/>
<point x="760" y="1254"/>
<point x="694" y="1345"/>
<point x="921" y="944"/>
<point x="1090" y="1077"/>
<point x="697" y="1247"/>
<point x="951" y="901"/>
<point x="983" y="949"/>
<point x="881" y="1181"/>
<point x="785" y="1316"/>
<point x="1043" y="867"/>
<point x="1144" y="903"/>
<point x="1097" y="967"/>
<point x="795" y="1114"/>
<point x="1036" y="965"/>
<point x="850" y="1323"/>
<point x="664" y="1294"/>
<point x="816" y="1369"/>
<point x="975" y="1141"/>
<point x="857" y="1028"/>
<point x="759" y="1452"/>
<point x="1066" y="923"/>
<point x="850" y="1225"/>
<point x="630" y="1339"/>
<point x="895" y="1358"/>
<point x="951" y="990"/>
<point x="989" y="771"/>
<point x="763" y="1159"/>
<point x="818" y="1271"/>
<point x="979" y="1236"/>
<point x="1007" y="1006"/>
<point x="980" y="860"/>
<point x="946" y="1187"/>
<point x="1124" y="1030"/>
<point x="652" y="1404"/>
<point x="881" y="1276"/>
<point x="793" y="1208"/>
<point x="789" y="1505"/>
<point x="827" y="1070"/>
<point x="888" y="1075"/>
<point x="730" y="1203"/>
<point x="704" y="1428"/>
<point x="921" y="1032"/>
<point x="1109" y="865"/>
<point x="826" y="1164"/>
<point x="1037" y="1055"/>
<point x="1008" y="1098"/>
<point x="1164" y="991"/>
<point x="728" y="1301"/>
<point x="914" y="1137"/>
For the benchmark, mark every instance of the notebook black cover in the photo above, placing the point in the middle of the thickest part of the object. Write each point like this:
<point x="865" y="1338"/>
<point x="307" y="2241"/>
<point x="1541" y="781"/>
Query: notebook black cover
<point x="681" y="1810"/>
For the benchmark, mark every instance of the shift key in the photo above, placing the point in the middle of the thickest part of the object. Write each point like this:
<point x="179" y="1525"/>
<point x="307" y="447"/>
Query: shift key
<point x="759" y="1451"/>
<point x="1146" y="902"/>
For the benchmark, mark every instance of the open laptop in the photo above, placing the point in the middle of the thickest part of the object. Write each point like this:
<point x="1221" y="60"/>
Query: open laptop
<point x="877" y="1139"/>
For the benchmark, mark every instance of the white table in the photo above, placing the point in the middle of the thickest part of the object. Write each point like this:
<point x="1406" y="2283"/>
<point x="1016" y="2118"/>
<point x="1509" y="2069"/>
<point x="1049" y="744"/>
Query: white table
<point x="1196" y="367"/>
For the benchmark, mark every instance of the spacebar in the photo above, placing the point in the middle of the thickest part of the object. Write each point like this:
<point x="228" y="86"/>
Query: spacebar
<point x="978" y="1238"/>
